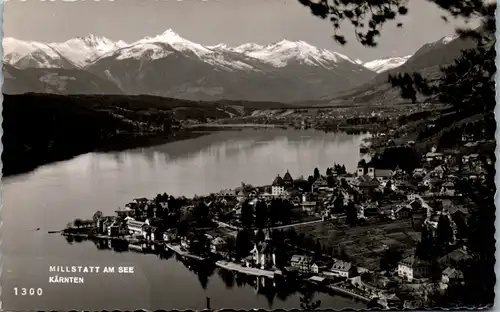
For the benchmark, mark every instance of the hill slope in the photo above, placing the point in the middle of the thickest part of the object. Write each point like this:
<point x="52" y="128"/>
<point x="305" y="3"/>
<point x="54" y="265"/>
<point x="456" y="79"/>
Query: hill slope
<point x="42" y="128"/>
<point x="55" y="80"/>
<point x="427" y="61"/>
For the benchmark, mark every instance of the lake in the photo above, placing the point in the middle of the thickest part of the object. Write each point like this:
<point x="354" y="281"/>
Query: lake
<point x="53" y="195"/>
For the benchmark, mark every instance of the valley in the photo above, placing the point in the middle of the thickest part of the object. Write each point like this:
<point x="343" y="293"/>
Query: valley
<point x="90" y="93"/>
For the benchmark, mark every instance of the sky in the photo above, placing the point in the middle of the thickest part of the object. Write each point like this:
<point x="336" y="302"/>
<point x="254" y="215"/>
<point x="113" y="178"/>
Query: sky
<point x="211" y="22"/>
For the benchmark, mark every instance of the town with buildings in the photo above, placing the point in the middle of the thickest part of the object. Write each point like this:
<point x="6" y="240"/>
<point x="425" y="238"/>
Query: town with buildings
<point x="393" y="234"/>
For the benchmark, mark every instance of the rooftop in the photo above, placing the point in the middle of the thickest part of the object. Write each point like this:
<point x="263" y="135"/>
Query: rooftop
<point x="340" y="265"/>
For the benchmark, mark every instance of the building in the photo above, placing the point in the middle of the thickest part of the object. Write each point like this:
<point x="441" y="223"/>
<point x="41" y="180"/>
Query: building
<point x="382" y="175"/>
<point x="278" y="186"/>
<point x="103" y="223"/>
<point x="360" y="171"/>
<point x="403" y="212"/>
<point x="412" y="267"/>
<point x="156" y="234"/>
<point x="455" y="257"/>
<point x="113" y="230"/>
<point x="287" y="180"/>
<point x="263" y="255"/>
<point x="242" y="195"/>
<point x="367" y="183"/>
<point x="227" y="193"/>
<point x="135" y="227"/>
<point x="318" y="184"/>
<point x="217" y="245"/>
<point x="301" y="263"/>
<point x="438" y="171"/>
<point x="343" y="269"/>
<point x="451" y="275"/>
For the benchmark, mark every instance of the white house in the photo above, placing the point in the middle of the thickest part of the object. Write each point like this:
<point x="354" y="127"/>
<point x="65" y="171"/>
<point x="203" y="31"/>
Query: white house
<point x="450" y="274"/>
<point x="314" y="268"/>
<point x="263" y="255"/>
<point x="433" y="154"/>
<point x="342" y="269"/>
<point x="301" y="262"/>
<point x="411" y="267"/>
<point x="382" y="175"/>
<point x="278" y="186"/>
<point x="135" y="227"/>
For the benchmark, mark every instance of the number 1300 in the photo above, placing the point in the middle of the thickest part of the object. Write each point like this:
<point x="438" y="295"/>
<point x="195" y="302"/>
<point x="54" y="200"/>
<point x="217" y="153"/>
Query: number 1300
<point x="28" y="291"/>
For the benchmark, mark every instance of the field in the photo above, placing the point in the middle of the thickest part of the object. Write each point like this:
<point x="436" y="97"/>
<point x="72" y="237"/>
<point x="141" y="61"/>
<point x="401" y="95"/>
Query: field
<point x="364" y="243"/>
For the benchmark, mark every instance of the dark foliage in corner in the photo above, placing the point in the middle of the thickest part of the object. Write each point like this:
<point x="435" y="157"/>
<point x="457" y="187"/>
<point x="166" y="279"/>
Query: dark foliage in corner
<point x="467" y="84"/>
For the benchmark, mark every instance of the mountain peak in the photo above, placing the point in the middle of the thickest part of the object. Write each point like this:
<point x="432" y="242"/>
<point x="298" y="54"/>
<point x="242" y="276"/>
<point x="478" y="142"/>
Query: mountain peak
<point x="248" y="47"/>
<point x="220" y="46"/>
<point x="89" y="37"/>
<point x="92" y="40"/>
<point x="285" y="43"/>
<point x="170" y="35"/>
<point x="385" y="64"/>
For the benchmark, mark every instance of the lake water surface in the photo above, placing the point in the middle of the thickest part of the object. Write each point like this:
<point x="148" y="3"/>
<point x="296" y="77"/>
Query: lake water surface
<point x="51" y="196"/>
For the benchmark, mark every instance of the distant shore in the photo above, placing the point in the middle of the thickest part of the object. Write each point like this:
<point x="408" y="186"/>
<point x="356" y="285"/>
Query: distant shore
<point x="32" y="160"/>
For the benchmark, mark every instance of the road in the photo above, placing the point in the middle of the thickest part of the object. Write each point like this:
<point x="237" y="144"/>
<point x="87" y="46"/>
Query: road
<point x="281" y="227"/>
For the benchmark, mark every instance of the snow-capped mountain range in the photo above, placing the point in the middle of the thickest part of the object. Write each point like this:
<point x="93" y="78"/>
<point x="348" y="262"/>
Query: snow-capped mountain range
<point x="82" y="51"/>
<point x="78" y="51"/>
<point x="170" y="65"/>
<point x="383" y="65"/>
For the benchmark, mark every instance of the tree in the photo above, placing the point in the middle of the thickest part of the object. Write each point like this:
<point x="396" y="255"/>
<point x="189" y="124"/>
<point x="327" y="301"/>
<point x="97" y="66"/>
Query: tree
<point x="362" y="163"/>
<point x="246" y="216"/>
<point x="243" y="244"/>
<point x="338" y="204"/>
<point x="390" y="258"/>
<point x="260" y="236"/>
<point x="316" y="174"/>
<point x="182" y="228"/>
<point x="466" y="83"/>
<point x="318" y="251"/>
<point x="261" y="214"/>
<point x="444" y="232"/>
<point x="351" y="214"/>
<point x="274" y="211"/>
<point x="201" y="214"/>
<point x="97" y="215"/>
<point x="231" y="245"/>
<point x="150" y="211"/>
<point x="310" y="179"/>
<point x="286" y="211"/>
<point x="78" y="223"/>
<point x="329" y="171"/>
<point x="426" y="248"/>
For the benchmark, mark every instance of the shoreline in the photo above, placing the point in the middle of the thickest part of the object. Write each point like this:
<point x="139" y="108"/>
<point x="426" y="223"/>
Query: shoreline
<point x="31" y="161"/>
<point x="223" y="264"/>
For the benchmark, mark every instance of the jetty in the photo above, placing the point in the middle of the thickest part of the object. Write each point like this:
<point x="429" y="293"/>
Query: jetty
<point x="177" y="249"/>
<point x="245" y="270"/>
